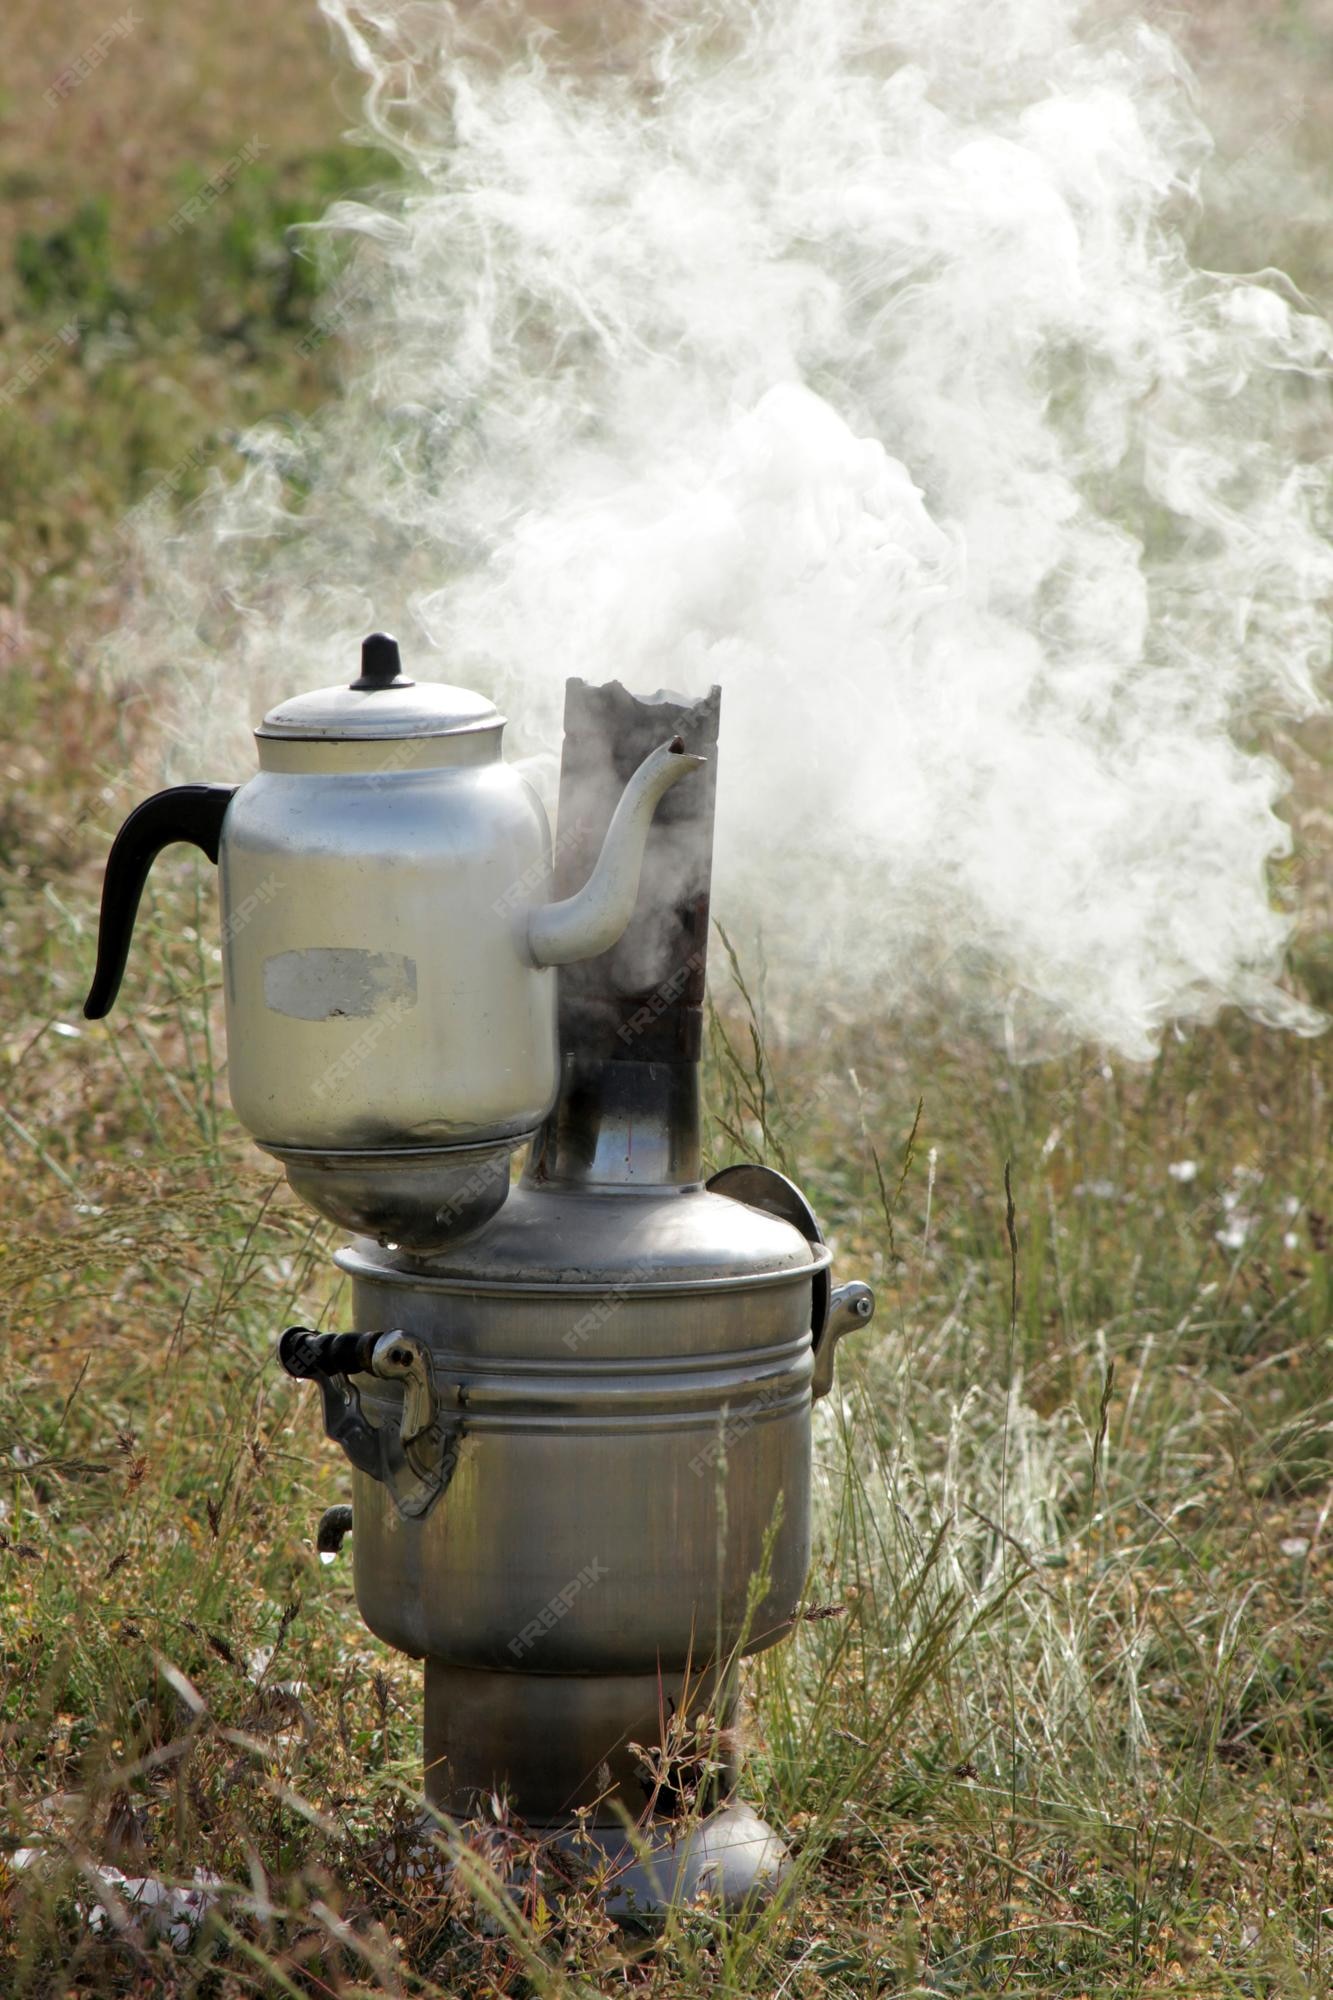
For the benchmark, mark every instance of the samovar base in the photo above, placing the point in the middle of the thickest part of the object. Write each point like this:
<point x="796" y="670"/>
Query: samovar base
<point x="615" y="1748"/>
<point x="731" y="1858"/>
<point x="617" y="1771"/>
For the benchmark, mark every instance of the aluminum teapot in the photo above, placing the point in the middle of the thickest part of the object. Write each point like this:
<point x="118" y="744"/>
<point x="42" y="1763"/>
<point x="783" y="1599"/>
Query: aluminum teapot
<point x="387" y="939"/>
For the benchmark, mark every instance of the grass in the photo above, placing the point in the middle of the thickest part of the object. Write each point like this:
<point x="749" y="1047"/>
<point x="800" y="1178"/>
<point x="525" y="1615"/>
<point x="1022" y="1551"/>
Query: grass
<point x="1060" y="1718"/>
<point x="1065" y="1718"/>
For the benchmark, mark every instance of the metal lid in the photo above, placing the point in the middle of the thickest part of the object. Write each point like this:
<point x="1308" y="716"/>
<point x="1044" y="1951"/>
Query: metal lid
<point x="381" y="705"/>
<point x="612" y="1246"/>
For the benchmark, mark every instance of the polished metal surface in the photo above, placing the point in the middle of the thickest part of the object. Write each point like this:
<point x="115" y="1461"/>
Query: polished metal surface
<point x="763" y="1187"/>
<point x="589" y="922"/>
<point x="564" y="1745"/>
<point x="420" y="1200"/>
<point x="599" y="1501"/>
<point x="730" y="1858"/>
<point x="351" y="712"/>
<point x="577" y="1414"/>
<point x="833" y="1313"/>
<point x="851" y="1307"/>
<point x="383" y="972"/>
<point x="389" y="929"/>
<point x="376" y="994"/>
<point x="560" y="1240"/>
<point x="620" y="1125"/>
<point x="568" y="1742"/>
<point x="632" y="1375"/>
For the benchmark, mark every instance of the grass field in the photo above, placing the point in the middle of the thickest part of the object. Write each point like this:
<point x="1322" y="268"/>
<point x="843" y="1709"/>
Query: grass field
<point x="1067" y="1726"/>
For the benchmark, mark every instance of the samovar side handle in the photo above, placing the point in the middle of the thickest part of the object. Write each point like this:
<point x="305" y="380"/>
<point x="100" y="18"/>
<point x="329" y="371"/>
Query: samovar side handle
<point x="851" y="1306"/>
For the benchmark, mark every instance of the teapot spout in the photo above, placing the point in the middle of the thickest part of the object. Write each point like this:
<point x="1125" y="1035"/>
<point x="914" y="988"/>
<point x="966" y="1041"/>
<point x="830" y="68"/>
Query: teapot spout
<point x="584" y="925"/>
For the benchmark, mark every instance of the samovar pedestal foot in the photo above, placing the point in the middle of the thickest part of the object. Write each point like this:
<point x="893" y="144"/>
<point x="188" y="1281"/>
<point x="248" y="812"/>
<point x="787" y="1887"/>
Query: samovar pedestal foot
<point x="729" y="1858"/>
<point x="587" y="1762"/>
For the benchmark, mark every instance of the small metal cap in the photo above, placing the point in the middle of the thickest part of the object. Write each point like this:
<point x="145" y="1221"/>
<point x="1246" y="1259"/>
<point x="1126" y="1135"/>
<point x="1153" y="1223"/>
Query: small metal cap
<point x="381" y="664"/>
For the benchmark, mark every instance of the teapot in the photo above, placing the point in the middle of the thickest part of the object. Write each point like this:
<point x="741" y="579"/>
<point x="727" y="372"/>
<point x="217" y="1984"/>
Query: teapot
<point x="388" y="939"/>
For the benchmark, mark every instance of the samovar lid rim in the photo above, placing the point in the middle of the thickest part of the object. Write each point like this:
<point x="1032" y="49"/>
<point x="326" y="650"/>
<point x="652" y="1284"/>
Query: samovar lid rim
<point x="580" y="1242"/>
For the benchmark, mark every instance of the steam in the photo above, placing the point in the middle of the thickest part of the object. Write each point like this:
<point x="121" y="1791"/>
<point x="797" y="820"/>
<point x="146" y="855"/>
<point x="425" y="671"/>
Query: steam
<point x="849" y="355"/>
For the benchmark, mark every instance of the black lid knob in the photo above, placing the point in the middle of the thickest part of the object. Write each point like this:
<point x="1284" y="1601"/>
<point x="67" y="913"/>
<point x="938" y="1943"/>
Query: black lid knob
<point x="381" y="666"/>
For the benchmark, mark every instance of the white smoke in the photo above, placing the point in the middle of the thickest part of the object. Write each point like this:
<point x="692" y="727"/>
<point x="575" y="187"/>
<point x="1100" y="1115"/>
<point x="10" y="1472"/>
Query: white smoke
<point x="848" y="353"/>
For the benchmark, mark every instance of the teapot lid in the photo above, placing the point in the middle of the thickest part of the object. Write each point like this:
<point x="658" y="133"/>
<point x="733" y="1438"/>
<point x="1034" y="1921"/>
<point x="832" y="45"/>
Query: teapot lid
<point x="380" y="705"/>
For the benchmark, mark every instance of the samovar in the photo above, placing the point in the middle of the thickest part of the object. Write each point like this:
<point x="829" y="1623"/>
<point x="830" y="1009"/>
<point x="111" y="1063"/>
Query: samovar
<point x="579" y="1417"/>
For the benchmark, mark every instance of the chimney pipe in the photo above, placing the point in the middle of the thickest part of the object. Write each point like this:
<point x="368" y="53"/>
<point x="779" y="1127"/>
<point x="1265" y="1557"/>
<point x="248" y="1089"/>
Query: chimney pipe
<point x="631" y="1020"/>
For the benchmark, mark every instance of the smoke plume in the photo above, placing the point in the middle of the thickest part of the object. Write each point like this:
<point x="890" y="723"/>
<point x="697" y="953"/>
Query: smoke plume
<point x="849" y="355"/>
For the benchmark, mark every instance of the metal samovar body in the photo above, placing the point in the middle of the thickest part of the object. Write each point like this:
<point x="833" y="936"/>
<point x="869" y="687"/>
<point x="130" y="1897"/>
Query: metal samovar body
<point x="600" y="1419"/>
<point x="579" y="1413"/>
<point x="582" y="1434"/>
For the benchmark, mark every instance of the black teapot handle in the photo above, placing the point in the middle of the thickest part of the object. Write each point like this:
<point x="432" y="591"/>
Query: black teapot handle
<point x="185" y="812"/>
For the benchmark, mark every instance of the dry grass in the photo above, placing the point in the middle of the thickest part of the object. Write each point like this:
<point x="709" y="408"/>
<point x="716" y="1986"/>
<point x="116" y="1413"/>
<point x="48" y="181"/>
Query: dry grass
<point x="176" y="94"/>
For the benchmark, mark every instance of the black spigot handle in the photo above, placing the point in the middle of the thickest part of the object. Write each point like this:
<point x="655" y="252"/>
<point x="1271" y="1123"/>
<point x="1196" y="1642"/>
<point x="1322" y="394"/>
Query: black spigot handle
<point x="335" y="1525"/>
<point x="185" y="812"/>
<point x="307" y="1355"/>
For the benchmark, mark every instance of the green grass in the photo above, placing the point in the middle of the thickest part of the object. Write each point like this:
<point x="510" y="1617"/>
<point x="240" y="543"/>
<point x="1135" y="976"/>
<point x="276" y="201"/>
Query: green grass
<point x="1066" y="1725"/>
<point x="1062" y="1719"/>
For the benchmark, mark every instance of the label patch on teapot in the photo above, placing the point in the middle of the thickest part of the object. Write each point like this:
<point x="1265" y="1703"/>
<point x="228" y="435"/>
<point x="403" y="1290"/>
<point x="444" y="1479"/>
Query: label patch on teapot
<point x="331" y="982"/>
